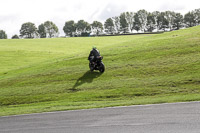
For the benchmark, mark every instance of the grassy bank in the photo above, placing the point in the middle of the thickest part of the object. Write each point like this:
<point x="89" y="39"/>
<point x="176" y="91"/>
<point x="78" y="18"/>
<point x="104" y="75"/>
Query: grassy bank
<point x="40" y="75"/>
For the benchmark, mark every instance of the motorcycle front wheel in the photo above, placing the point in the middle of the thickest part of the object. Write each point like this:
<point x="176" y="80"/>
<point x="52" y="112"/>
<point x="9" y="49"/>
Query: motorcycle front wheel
<point x="91" y="67"/>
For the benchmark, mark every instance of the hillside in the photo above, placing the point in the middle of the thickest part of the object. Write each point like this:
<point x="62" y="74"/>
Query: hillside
<point x="39" y="75"/>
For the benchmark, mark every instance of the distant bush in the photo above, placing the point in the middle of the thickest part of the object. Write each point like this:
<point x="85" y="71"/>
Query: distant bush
<point x="85" y="34"/>
<point x="3" y="34"/>
<point x="15" y="37"/>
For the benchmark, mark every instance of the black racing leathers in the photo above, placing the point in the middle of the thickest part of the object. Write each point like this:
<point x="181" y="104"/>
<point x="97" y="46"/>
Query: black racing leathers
<point x="94" y="53"/>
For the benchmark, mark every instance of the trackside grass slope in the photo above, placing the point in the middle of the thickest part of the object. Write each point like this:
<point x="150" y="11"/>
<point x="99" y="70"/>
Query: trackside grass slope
<point x="40" y="75"/>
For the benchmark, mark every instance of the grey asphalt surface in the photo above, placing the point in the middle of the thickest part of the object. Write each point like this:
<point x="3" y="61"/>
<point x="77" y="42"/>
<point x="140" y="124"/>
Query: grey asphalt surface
<point x="159" y="118"/>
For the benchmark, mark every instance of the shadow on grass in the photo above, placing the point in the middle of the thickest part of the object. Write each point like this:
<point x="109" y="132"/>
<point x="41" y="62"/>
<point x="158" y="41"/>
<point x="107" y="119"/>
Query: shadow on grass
<point x="86" y="78"/>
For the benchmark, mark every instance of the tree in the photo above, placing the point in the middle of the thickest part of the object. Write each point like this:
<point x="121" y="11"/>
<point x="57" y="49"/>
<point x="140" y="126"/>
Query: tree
<point x="142" y="16"/>
<point x="97" y="27"/>
<point x="189" y="19"/>
<point x="162" y="22"/>
<point x="15" y="37"/>
<point x="69" y="28"/>
<point x="123" y="23"/>
<point x="197" y="16"/>
<point x="51" y="29"/>
<point x="28" y="30"/>
<point x="42" y="31"/>
<point x="130" y="20"/>
<point x="109" y="26"/>
<point x="83" y="27"/>
<point x="178" y="21"/>
<point x="116" y="22"/>
<point x="136" y="23"/>
<point x="151" y="22"/>
<point x="3" y="34"/>
<point x="155" y="15"/>
<point x="170" y="16"/>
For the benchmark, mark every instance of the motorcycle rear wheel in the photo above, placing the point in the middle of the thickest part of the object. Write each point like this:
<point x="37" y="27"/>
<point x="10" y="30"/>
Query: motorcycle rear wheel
<point x="102" y="68"/>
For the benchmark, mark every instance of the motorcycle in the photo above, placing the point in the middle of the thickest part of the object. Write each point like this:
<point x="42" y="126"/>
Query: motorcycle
<point x="97" y="65"/>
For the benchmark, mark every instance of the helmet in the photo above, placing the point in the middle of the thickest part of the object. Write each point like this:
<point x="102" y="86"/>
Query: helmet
<point x="94" y="47"/>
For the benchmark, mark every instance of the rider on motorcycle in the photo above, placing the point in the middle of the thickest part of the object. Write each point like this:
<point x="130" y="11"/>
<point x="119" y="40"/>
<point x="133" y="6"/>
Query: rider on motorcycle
<point x="94" y="53"/>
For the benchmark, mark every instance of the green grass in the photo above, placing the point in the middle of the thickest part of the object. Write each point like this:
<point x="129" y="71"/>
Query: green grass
<point x="40" y="75"/>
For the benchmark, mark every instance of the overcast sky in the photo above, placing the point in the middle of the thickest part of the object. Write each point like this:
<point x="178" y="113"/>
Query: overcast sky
<point x="13" y="13"/>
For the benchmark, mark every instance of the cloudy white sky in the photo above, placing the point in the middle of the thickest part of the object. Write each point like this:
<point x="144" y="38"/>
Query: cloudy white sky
<point x="13" y="13"/>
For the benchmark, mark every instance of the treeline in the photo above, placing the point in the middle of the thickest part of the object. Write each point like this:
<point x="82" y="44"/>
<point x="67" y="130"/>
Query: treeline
<point x="127" y="22"/>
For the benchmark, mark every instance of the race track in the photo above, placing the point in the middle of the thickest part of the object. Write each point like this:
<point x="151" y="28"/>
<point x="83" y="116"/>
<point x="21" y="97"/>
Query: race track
<point x="158" y="118"/>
